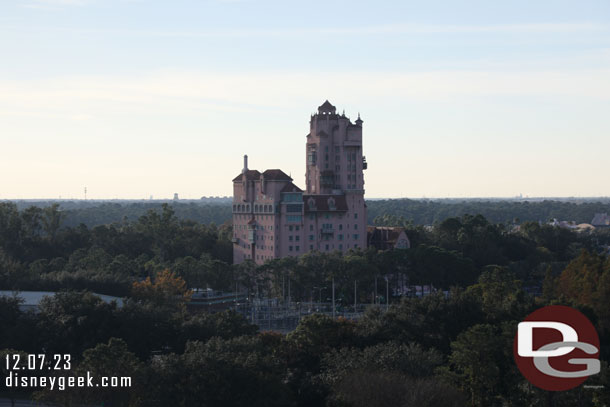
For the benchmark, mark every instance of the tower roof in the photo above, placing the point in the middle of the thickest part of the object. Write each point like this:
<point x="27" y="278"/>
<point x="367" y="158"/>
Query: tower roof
<point x="327" y="108"/>
<point x="291" y="188"/>
<point x="250" y="175"/>
<point x="276" y="174"/>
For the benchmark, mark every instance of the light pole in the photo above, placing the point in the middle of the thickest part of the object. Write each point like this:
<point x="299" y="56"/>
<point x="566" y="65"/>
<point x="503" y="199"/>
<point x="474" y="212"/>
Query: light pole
<point x="333" y="297"/>
<point x="375" y="296"/>
<point x="320" y="291"/>
<point x="387" y="293"/>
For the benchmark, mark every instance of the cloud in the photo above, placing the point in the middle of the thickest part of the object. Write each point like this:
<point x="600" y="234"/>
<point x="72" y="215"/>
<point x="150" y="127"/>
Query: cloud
<point x="307" y="32"/>
<point x="191" y="93"/>
<point x="53" y="4"/>
<point x="395" y="29"/>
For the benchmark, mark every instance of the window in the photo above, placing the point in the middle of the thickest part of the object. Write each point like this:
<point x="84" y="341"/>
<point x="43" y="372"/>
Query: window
<point x="340" y="247"/>
<point x="340" y="226"/>
<point x="297" y="238"/>
<point x="355" y="226"/>
<point x="290" y="228"/>
<point x="310" y="228"/>
<point x="355" y="236"/>
<point x="297" y="248"/>
<point x="294" y="218"/>
<point x="310" y="247"/>
<point x="296" y="228"/>
<point x="310" y="237"/>
<point x="289" y="248"/>
<point x="294" y="208"/>
<point x="355" y="216"/>
<point x="326" y="247"/>
<point x="290" y="238"/>
<point x="340" y="237"/>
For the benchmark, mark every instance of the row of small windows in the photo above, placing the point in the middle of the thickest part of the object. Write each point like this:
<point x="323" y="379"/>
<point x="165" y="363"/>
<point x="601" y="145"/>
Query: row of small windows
<point x="292" y="197"/>
<point x="257" y="208"/>
<point x="258" y="227"/>
<point x="339" y="237"/>
<point x="329" y="247"/>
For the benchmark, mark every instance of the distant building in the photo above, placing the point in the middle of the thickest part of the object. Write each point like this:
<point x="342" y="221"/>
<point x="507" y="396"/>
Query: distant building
<point x="274" y="218"/>
<point x="601" y="220"/>
<point x="581" y="227"/>
<point x="176" y="197"/>
<point x="31" y="299"/>
<point x="387" y="238"/>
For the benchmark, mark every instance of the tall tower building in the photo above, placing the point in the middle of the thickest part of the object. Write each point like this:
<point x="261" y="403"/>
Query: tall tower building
<point x="273" y="218"/>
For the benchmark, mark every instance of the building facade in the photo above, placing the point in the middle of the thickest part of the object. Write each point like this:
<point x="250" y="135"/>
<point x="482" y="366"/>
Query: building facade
<point x="387" y="238"/>
<point x="274" y="218"/>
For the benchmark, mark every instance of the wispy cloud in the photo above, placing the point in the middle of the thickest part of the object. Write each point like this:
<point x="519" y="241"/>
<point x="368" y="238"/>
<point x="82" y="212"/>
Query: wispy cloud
<point x="53" y="4"/>
<point x="387" y="29"/>
<point x="393" y="29"/>
<point x="192" y="93"/>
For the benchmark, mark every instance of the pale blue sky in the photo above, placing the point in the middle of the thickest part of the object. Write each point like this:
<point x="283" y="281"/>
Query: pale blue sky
<point x="465" y="98"/>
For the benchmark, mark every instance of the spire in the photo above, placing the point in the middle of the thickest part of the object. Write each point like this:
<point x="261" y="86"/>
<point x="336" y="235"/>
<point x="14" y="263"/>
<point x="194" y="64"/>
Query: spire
<point x="359" y="120"/>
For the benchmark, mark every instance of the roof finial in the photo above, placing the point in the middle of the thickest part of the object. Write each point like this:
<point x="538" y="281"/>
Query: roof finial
<point x="359" y="121"/>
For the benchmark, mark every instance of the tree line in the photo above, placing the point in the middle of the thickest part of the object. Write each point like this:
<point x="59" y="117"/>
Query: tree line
<point x="415" y="211"/>
<point x="451" y="348"/>
<point x="439" y="350"/>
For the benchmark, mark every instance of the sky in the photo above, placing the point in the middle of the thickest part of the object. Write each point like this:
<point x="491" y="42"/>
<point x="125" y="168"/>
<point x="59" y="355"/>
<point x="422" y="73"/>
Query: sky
<point x="134" y="98"/>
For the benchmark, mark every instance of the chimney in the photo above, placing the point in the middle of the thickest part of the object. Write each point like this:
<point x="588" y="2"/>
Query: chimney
<point x="245" y="164"/>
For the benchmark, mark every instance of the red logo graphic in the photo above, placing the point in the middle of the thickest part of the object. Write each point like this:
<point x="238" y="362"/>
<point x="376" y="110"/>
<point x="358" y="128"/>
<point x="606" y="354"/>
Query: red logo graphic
<point x="556" y="348"/>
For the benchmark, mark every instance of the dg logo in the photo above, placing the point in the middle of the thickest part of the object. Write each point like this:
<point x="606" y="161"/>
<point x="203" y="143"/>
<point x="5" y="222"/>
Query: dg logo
<point x="556" y="348"/>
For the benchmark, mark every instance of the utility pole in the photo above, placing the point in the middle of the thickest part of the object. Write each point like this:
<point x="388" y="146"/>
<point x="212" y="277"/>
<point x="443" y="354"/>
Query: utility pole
<point x="387" y="294"/>
<point x="333" y="297"/>
<point x="375" y="296"/>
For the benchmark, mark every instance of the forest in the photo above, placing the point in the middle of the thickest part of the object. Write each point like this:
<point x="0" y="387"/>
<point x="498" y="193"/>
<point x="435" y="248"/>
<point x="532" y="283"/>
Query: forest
<point x="451" y="348"/>
<point x="415" y="211"/>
